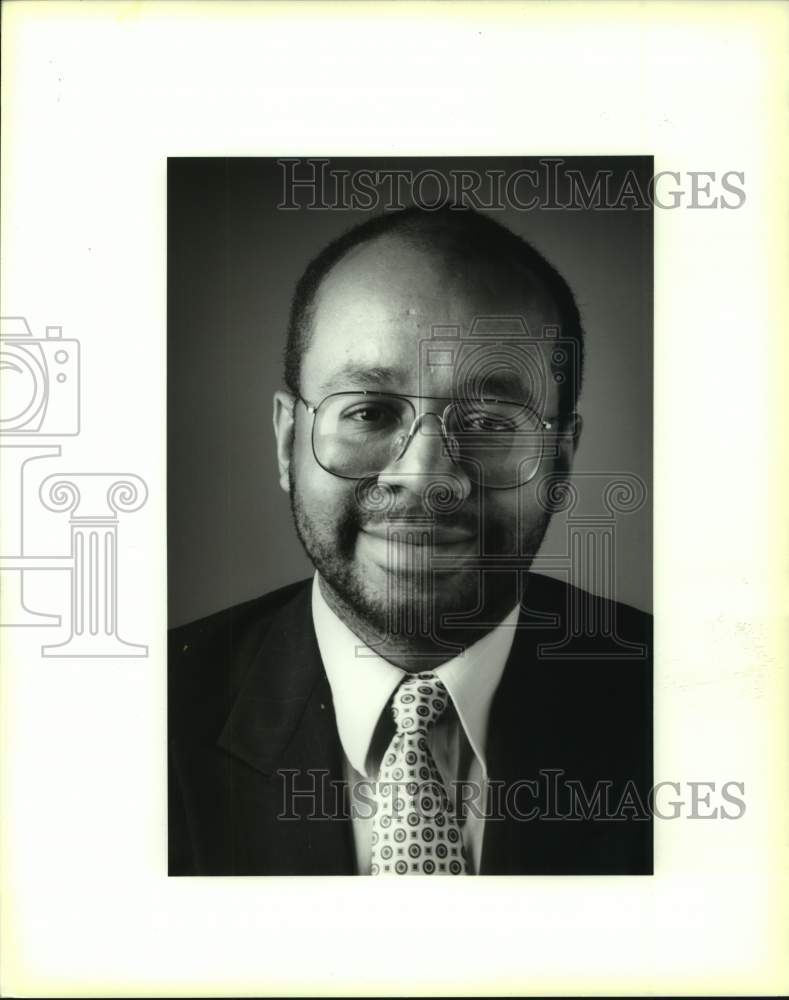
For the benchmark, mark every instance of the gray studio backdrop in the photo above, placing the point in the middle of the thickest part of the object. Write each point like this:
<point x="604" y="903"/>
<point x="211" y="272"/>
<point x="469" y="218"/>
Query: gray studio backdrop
<point x="233" y="259"/>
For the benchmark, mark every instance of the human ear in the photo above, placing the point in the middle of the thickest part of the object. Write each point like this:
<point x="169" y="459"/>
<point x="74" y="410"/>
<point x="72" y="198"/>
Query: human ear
<point x="284" y="430"/>
<point x="567" y="442"/>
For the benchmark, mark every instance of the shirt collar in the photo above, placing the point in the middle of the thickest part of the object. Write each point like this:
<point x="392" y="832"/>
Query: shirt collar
<point x="362" y="682"/>
<point x="472" y="678"/>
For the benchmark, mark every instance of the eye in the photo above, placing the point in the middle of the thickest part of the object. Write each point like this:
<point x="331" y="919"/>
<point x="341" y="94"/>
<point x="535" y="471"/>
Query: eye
<point x="489" y="422"/>
<point x="373" y="414"/>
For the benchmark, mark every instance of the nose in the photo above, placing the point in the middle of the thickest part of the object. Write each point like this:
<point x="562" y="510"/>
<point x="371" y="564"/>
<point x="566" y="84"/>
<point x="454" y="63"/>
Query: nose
<point x="425" y="468"/>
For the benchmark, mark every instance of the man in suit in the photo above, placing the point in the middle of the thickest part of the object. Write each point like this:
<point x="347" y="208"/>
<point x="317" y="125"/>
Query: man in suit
<point x="433" y="367"/>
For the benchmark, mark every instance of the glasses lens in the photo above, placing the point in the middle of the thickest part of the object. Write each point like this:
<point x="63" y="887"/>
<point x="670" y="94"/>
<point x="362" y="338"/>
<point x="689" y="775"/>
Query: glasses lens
<point x="358" y="434"/>
<point x="499" y="443"/>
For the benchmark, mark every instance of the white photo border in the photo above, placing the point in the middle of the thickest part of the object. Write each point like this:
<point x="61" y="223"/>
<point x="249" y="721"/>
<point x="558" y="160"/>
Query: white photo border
<point x="95" y="98"/>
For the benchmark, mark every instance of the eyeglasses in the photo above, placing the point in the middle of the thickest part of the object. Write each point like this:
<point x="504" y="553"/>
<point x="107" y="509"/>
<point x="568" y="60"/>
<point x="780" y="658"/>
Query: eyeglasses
<point x="499" y="443"/>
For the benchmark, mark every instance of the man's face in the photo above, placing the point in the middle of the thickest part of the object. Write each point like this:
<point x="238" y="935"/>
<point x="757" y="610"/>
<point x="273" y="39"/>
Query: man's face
<point x="371" y="315"/>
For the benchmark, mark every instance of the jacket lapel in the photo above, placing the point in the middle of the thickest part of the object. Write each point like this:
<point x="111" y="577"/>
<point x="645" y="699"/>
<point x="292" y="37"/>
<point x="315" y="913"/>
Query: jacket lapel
<point x="559" y="721"/>
<point x="282" y="726"/>
<point x="503" y="846"/>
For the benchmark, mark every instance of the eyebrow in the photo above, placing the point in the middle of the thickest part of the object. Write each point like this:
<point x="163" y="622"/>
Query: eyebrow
<point x="357" y="375"/>
<point x="505" y="385"/>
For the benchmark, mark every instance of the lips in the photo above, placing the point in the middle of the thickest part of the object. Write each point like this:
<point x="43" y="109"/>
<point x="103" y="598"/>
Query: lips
<point x="412" y="534"/>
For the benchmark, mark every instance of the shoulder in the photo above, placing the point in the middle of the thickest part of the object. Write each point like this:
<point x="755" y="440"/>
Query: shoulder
<point x="547" y="595"/>
<point x="204" y="632"/>
<point x="211" y="654"/>
<point x="581" y="665"/>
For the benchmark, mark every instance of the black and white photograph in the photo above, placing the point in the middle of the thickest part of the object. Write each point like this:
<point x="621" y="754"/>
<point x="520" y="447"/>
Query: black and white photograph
<point x="451" y="371"/>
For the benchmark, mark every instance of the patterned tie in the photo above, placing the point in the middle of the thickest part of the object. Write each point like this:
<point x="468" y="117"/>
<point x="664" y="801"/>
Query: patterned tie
<point x="415" y="831"/>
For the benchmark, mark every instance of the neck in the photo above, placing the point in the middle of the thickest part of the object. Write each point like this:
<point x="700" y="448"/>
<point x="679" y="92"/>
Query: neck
<point x="410" y="652"/>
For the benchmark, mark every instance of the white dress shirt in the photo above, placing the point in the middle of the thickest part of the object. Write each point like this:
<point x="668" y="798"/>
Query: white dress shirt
<point x="362" y="683"/>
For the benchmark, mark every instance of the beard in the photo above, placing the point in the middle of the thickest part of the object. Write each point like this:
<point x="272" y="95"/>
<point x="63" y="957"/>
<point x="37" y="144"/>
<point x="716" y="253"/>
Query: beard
<point x="421" y="604"/>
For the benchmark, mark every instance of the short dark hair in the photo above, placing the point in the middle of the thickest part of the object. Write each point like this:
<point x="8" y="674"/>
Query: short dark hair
<point x="462" y="232"/>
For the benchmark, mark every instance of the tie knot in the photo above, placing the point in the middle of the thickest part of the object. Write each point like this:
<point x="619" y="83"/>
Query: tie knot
<point x="418" y="702"/>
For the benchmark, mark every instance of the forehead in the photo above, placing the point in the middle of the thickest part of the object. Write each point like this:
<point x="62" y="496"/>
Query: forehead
<point x="401" y="317"/>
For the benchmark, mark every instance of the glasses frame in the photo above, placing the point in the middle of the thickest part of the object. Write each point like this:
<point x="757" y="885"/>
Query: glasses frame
<point x="545" y="424"/>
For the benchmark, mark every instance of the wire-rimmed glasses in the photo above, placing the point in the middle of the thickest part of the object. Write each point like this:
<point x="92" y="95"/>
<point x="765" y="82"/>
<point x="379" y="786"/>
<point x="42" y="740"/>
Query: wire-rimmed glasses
<point x="499" y="443"/>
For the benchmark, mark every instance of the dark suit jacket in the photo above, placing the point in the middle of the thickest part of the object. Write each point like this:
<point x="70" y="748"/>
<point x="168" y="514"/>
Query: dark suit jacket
<point x="251" y="721"/>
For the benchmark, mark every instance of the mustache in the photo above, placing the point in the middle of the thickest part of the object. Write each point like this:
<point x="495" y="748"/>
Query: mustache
<point x="376" y="511"/>
<point x="377" y="504"/>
